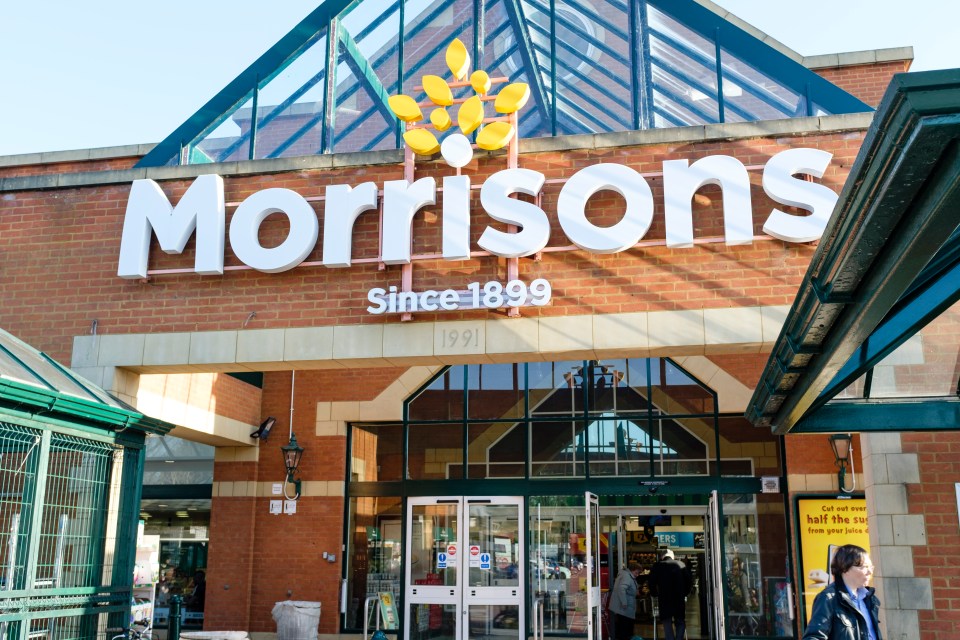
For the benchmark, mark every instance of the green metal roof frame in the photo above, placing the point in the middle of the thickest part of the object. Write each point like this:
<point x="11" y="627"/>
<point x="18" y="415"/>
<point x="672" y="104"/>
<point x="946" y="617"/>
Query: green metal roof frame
<point x="37" y="387"/>
<point x="714" y="28"/>
<point x="20" y="399"/>
<point x="888" y="264"/>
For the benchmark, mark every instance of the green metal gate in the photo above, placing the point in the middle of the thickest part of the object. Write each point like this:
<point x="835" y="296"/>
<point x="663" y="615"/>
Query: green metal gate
<point x="71" y="472"/>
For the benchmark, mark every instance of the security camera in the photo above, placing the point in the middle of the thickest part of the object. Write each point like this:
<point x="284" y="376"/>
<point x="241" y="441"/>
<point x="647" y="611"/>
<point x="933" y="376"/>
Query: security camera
<point x="663" y="511"/>
<point x="652" y="489"/>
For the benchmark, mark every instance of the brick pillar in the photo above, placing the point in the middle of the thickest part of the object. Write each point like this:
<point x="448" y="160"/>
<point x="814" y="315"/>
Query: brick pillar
<point x="888" y="474"/>
<point x="232" y="540"/>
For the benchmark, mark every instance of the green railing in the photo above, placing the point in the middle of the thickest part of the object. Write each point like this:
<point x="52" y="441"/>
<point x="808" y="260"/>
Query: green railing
<point x="68" y="522"/>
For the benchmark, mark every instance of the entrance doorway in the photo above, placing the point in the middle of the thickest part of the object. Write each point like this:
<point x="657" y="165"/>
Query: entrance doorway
<point x="466" y="570"/>
<point x="641" y="534"/>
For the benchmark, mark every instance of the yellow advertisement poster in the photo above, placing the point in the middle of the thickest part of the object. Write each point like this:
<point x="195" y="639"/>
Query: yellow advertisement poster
<point x="825" y="524"/>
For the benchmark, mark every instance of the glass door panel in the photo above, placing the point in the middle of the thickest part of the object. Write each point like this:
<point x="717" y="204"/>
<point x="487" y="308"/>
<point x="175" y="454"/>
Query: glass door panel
<point x="715" y="585"/>
<point x="433" y="568"/>
<point x="593" y="566"/>
<point x="463" y="577"/>
<point x="494" y="547"/>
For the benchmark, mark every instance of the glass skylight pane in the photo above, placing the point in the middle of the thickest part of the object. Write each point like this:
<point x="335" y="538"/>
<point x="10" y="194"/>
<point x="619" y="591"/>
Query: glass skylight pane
<point x="501" y="58"/>
<point x="751" y="95"/>
<point x="430" y="26"/>
<point x="290" y="106"/>
<point x="359" y="123"/>
<point x="683" y="69"/>
<point x="925" y="365"/>
<point x="594" y="71"/>
<point x="230" y="141"/>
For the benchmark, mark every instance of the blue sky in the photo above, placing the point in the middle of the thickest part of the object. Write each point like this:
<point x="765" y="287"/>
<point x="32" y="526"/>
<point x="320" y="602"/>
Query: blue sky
<point x="105" y="72"/>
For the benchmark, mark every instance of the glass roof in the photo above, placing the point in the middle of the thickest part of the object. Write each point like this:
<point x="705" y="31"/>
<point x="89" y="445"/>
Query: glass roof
<point x="592" y="66"/>
<point x="926" y="365"/>
<point x="21" y="363"/>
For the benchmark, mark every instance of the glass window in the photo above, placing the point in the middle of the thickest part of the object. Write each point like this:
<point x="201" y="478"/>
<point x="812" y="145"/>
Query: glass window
<point x="684" y="73"/>
<point x="496" y="450"/>
<point x="429" y="28"/>
<point x="679" y="446"/>
<point x="502" y="58"/>
<point x="495" y="391"/>
<point x="618" y="447"/>
<point x="923" y="366"/>
<point x="373" y="552"/>
<point x="290" y="106"/>
<point x="557" y="448"/>
<point x="750" y="95"/>
<point x="230" y="139"/>
<point x="746" y="450"/>
<point x="376" y="453"/>
<point x="367" y="71"/>
<point x="442" y="399"/>
<point x="675" y="392"/>
<point x="555" y="388"/>
<point x="435" y="451"/>
<point x="755" y="565"/>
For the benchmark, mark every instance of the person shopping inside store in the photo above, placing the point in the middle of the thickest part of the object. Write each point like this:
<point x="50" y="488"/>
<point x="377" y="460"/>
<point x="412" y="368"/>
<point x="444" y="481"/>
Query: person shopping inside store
<point x="671" y="580"/>
<point x="623" y="601"/>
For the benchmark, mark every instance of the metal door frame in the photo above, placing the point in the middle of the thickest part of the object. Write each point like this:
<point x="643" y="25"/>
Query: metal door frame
<point x="461" y="595"/>
<point x="712" y="552"/>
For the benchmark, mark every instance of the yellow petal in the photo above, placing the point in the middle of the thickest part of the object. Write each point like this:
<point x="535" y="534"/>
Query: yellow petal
<point x="421" y="141"/>
<point x="437" y="90"/>
<point x="480" y="81"/>
<point x="440" y="119"/>
<point x="495" y="135"/>
<point x="470" y="115"/>
<point x="405" y="108"/>
<point x="458" y="60"/>
<point x="512" y="97"/>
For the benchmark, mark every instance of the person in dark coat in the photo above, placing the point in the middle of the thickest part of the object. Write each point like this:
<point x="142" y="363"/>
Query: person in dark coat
<point x="846" y="609"/>
<point x="670" y="580"/>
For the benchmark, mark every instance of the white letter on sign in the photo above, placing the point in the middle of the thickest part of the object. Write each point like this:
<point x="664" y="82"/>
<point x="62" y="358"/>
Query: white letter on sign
<point x="201" y="208"/>
<point x="681" y="182"/>
<point x="401" y="200"/>
<point x="572" y="203"/>
<point x="534" y="228"/>
<point x="782" y="187"/>
<point x="456" y="218"/>
<point x="245" y="230"/>
<point x="343" y="206"/>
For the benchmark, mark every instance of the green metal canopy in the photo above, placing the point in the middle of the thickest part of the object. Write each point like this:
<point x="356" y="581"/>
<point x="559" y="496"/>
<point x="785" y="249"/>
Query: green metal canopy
<point x="872" y="340"/>
<point x="34" y="385"/>
<point x="592" y="66"/>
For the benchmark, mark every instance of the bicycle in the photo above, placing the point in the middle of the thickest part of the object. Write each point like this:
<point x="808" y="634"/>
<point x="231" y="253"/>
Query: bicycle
<point x="137" y="631"/>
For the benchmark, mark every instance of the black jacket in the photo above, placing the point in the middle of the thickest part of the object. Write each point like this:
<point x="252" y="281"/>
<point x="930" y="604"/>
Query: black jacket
<point x="670" y="580"/>
<point x="835" y="615"/>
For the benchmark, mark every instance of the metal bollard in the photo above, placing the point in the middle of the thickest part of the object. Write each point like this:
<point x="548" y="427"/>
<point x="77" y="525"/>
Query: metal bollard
<point x="173" y="621"/>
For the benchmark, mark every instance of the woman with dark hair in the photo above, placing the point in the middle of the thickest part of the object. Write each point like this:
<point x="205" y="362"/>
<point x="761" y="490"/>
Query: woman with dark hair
<point x="847" y="608"/>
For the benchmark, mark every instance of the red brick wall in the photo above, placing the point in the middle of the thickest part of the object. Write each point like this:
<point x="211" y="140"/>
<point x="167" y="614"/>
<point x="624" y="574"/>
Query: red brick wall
<point x="809" y="454"/>
<point x="58" y="253"/>
<point x="107" y="164"/>
<point x="865" y="81"/>
<point x="248" y="546"/>
<point x="935" y="497"/>
<point x="77" y="232"/>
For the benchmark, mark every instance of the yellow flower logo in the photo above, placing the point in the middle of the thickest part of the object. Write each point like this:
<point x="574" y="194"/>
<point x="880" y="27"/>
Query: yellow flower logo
<point x="494" y="133"/>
